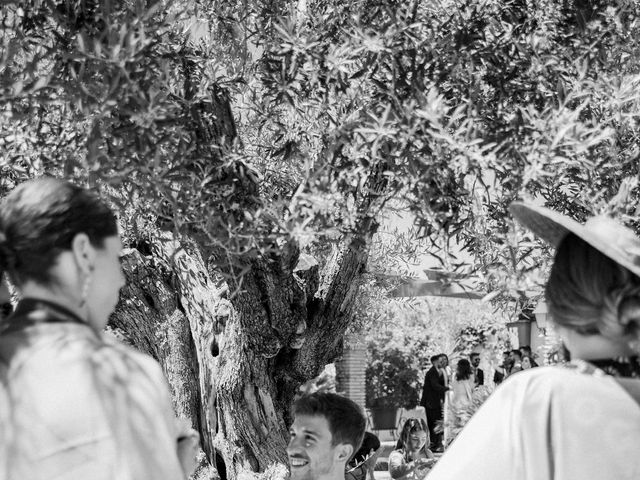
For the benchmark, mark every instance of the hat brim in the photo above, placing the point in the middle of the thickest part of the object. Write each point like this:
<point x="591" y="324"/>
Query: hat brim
<point x="551" y="226"/>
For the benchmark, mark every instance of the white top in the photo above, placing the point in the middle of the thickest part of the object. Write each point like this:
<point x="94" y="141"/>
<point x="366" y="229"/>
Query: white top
<point x="398" y="466"/>
<point x="74" y="407"/>
<point x="549" y="423"/>
<point x="461" y="392"/>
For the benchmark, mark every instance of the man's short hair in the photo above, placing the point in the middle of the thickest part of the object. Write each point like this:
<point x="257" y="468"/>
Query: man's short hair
<point x="345" y="418"/>
<point x="434" y="358"/>
<point x="474" y="355"/>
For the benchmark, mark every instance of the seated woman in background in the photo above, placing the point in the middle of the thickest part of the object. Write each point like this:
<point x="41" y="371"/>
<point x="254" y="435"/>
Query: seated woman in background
<point x="73" y="405"/>
<point x="412" y="458"/>
<point x="574" y="421"/>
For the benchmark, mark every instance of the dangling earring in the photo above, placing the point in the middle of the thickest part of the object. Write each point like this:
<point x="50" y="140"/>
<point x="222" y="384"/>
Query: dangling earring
<point x="85" y="291"/>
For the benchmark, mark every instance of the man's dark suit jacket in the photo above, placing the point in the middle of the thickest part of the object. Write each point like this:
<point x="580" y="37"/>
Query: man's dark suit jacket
<point x="479" y="377"/>
<point x="433" y="389"/>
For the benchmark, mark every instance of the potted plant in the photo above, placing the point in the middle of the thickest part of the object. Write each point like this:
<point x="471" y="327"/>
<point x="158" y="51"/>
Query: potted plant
<point x="391" y="383"/>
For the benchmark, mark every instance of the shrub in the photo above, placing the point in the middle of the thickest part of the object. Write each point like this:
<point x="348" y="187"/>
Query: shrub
<point x="391" y="378"/>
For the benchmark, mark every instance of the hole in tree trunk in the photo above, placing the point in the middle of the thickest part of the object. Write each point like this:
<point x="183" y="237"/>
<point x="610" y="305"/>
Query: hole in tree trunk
<point x="220" y="465"/>
<point x="215" y="349"/>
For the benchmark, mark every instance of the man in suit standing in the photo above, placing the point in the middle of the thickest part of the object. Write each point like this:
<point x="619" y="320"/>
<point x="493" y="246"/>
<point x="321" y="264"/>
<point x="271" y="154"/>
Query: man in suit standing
<point x="515" y="360"/>
<point x="432" y="399"/>
<point x="478" y="374"/>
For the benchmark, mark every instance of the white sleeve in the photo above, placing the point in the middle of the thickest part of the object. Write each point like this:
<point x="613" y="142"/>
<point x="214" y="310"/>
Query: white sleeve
<point x="491" y="445"/>
<point x="546" y="423"/>
<point x="137" y="403"/>
<point x="398" y="468"/>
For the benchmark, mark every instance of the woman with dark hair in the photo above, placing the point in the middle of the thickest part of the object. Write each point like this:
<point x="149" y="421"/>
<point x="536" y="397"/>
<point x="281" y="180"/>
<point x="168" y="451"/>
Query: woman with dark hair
<point x="527" y="362"/>
<point x="412" y="458"/>
<point x="462" y="385"/>
<point x="581" y="420"/>
<point x="72" y="404"/>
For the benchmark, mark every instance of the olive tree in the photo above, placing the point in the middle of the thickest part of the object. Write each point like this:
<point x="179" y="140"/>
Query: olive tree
<point x="252" y="148"/>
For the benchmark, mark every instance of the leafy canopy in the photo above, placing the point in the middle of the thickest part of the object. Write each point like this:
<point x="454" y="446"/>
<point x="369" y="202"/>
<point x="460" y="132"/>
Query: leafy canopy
<point x="268" y="126"/>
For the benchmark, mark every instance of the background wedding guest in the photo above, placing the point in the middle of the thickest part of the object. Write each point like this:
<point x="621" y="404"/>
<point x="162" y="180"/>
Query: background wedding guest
<point x="462" y="384"/>
<point x="412" y="458"/>
<point x="362" y="464"/>
<point x="525" y="350"/>
<point x="433" y="391"/>
<point x="478" y="374"/>
<point x="445" y="370"/>
<point x="74" y="405"/>
<point x="515" y="361"/>
<point x="446" y="373"/>
<point x="550" y="422"/>
<point x="327" y="431"/>
<point x="502" y="370"/>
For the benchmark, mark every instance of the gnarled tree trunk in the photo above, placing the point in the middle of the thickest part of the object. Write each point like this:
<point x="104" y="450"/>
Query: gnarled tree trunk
<point x="234" y="365"/>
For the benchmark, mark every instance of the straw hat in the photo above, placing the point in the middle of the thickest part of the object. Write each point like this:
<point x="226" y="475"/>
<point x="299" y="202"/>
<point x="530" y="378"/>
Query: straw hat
<point x="610" y="238"/>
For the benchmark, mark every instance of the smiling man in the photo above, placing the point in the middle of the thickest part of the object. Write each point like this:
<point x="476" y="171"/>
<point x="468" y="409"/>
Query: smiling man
<point x="327" y="430"/>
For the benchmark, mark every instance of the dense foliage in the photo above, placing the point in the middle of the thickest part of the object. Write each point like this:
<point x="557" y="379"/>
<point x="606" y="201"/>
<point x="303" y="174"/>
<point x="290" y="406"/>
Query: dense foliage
<point x="454" y="108"/>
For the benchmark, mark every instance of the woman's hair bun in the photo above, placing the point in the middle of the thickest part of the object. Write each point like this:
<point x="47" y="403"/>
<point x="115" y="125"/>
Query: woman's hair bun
<point x="629" y="313"/>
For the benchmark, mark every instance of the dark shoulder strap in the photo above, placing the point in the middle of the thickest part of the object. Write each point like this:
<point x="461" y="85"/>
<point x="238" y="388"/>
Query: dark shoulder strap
<point x="30" y="311"/>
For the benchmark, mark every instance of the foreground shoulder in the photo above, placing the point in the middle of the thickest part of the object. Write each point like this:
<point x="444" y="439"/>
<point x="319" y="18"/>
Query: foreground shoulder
<point x="117" y="360"/>
<point x="556" y="383"/>
<point x="556" y="376"/>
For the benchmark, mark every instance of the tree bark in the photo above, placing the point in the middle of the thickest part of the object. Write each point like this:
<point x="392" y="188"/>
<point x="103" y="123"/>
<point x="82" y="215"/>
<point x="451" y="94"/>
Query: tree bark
<point x="153" y="321"/>
<point x="235" y="364"/>
<point x="270" y="337"/>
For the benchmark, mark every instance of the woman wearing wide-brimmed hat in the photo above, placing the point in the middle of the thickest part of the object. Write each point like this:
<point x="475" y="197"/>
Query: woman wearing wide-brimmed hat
<point x="581" y="420"/>
<point x="74" y="405"/>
